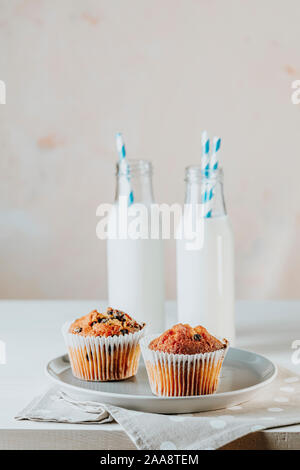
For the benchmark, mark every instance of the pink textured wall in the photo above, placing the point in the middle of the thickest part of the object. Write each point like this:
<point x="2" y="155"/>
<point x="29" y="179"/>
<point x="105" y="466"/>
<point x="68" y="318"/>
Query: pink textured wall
<point x="160" y="71"/>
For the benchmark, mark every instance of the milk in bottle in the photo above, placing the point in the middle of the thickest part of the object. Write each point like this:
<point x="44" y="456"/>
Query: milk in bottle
<point x="134" y="260"/>
<point x="205" y="266"/>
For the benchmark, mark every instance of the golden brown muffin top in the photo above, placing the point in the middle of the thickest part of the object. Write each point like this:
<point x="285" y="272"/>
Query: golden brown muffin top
<point x="183" y="339"/>
<point x="112" y="323"/>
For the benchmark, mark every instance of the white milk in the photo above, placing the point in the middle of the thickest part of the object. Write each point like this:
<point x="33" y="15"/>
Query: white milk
<point x="135" y="280"/>
<point x="205" y="279"/>
<point x="135" y="267"/>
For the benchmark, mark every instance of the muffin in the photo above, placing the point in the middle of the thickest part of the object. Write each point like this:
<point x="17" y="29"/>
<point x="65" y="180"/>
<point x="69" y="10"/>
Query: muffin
<point x="104" y="346"/>
<point x="184" y="361"/>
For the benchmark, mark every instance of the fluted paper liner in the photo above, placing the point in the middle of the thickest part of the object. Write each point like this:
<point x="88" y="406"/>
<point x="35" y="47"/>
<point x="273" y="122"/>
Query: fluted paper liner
<point x="102" y="358"/>
<point x="178" y="375"/>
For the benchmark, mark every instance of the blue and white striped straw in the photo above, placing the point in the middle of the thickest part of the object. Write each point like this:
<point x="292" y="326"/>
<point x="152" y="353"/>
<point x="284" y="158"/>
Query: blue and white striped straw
<point x="204" y="162"/>
<point x="122" y="156"/>
<point x="209" y="164"/>
<point x="214" y="162"/>
<point x="207" y="202"/>
<point x="205" y="152"/>
<point x="120" y="146"/>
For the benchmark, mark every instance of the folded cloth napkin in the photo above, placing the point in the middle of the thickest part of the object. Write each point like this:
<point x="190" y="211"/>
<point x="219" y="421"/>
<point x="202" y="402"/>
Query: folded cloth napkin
<point x="58" y="407"/>
<point x="276" y="405"/>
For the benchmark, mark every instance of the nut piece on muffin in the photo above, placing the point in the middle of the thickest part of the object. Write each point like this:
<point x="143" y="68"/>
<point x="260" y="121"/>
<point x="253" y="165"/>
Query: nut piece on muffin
<point x="183" y="339"/>
<point x="112" y="323"/>
<point x="104" y="346"/>
<point x="184" y="361"/>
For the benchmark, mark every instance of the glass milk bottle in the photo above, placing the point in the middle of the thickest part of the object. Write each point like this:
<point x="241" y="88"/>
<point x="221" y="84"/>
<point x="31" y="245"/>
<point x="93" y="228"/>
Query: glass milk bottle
<point x="205" y="263"/>
<point x="134" y="260"/>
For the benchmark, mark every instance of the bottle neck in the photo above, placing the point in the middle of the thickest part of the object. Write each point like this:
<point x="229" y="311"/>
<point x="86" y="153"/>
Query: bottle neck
<point x="134" y="179"/>
<point x="205" y="188"/>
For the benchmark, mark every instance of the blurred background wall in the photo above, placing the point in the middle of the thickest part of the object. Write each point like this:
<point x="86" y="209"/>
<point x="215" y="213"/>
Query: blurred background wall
<point x="77" y="71"/>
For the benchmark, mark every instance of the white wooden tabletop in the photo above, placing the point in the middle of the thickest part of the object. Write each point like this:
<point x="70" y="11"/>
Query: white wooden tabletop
<point x="31" y="331"/>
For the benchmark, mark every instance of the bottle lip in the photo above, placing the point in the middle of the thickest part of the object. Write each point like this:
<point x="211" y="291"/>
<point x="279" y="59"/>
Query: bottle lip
<point x="133" y="167"/>
<point x="194" y="173"/>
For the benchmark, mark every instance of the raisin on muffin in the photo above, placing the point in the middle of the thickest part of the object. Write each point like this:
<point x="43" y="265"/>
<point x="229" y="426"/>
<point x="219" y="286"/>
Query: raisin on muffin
<point x="184" y="339"/>
<point x="112" y="323"/>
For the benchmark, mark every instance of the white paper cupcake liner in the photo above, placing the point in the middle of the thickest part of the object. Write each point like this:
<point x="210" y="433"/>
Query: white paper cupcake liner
<point x="103" y="359"/>
<point x="177" y="375"/>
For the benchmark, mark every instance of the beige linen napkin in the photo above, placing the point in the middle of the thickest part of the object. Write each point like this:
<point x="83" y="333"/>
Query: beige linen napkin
<point x="276" y="405"/>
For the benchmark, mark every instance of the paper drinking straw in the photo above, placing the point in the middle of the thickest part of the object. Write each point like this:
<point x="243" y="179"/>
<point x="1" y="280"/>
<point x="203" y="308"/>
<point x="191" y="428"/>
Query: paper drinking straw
<point x="207" y="200"/>
<point x="205" y="171"/>
<point x="214" y="162"/>
<point x="122" y="156"/>
<point x="209" y="164"/>
<point x="205" y="152"/>
<point x="213" y="166"/>
<point x="120" y="146"/>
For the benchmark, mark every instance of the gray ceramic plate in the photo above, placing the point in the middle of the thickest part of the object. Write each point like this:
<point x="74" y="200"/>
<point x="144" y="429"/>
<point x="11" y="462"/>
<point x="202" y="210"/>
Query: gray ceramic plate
<point x="243" y="375"/>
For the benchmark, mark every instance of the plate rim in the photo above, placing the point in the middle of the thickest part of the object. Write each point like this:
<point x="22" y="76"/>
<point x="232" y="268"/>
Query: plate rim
<point x="155" y="397"/>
